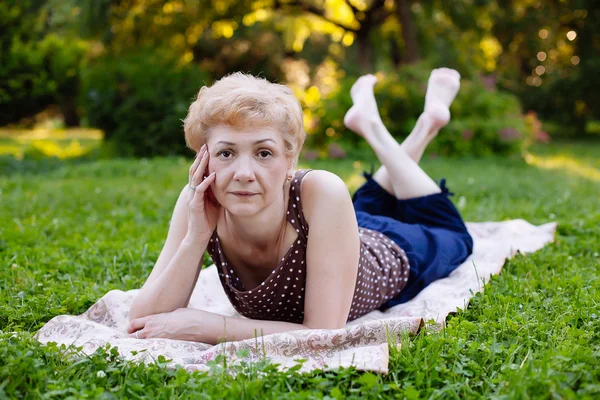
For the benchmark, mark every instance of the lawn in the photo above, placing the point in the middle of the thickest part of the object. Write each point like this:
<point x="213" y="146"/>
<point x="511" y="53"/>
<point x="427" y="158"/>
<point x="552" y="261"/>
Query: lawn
<point x="70" y="234"/>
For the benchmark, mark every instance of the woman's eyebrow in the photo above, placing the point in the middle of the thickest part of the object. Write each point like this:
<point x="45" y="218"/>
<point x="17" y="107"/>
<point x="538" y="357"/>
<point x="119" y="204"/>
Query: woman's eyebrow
<point x="265" y="140"/>
<point x="257" y="142"/>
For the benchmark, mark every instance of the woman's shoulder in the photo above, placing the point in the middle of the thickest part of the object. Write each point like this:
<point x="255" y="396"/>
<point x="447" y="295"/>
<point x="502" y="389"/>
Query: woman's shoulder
<point x="320" y="179"/>
<point x="319" y="188"/>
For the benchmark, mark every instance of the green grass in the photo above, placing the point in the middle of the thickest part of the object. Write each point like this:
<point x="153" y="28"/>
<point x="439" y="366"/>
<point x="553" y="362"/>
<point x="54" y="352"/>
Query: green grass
<point x="68" y="235"/>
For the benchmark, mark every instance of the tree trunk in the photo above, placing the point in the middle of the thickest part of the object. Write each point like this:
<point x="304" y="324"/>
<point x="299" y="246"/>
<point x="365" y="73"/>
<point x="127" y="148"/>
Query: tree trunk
<point x="68" y="109"/>
<point x="409" y="32"/>
<point x="365" y="53"/>
<point x="394" y="53"/>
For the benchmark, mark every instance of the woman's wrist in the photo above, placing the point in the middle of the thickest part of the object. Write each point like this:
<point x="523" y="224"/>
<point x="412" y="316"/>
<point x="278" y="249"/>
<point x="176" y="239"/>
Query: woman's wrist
<point x="205" y="327"/>
<point x="194" y="241"/>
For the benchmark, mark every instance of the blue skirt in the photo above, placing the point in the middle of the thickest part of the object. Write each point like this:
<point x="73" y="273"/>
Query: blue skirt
<point x="429" y="229"/>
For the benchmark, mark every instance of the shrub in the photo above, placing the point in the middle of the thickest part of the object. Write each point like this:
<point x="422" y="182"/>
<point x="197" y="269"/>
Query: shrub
<point x="139" y="101"/>
<point x="35" y="74"/>
<point x="484" y="120"/>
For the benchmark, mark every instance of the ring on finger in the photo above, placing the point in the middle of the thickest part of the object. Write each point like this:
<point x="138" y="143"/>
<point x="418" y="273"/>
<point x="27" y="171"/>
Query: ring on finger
<point x="137" y="334"/>
<point x="193" y="188"/>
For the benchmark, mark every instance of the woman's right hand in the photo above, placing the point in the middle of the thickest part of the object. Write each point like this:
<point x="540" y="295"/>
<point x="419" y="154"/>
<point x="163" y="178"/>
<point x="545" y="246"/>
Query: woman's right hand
<point x="203" y="209"/>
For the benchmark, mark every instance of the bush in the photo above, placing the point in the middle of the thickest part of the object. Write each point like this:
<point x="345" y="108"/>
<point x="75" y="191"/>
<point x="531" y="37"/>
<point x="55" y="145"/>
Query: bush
<point x="35" y="74"/>
<point x="139" y="101"/>
<point x="484" y="120"/>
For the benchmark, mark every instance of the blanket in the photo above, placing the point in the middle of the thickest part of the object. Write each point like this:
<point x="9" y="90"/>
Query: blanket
<point x="363" y="343"/>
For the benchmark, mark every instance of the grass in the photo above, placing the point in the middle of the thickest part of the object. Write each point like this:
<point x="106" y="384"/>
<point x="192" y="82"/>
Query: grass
<point x="68" y="235"/>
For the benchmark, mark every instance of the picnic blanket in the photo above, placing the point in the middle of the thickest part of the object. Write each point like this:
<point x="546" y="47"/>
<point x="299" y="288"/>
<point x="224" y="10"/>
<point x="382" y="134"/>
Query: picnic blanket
<point x="363" y="343"/>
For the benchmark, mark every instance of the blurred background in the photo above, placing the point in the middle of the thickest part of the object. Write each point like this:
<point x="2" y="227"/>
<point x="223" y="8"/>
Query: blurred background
<point x="107" y="78"/>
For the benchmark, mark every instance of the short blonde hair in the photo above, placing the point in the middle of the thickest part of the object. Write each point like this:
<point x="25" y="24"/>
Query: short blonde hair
<point x="241" y="99"/>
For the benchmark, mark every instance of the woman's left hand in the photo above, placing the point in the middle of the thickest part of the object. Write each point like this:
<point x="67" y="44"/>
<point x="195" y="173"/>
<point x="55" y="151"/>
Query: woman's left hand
<point x="181" y="324"/>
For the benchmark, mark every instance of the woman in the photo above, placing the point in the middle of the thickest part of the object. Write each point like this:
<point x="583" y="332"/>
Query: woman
<point x="252" y="211"/>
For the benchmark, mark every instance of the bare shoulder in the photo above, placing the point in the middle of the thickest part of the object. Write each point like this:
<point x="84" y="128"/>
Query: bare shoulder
<point x="319" y="182"/>
<point x="322" y="190"/>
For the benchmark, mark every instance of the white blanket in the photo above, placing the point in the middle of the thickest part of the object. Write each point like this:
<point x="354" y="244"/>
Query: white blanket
<point x="363" y="343"/>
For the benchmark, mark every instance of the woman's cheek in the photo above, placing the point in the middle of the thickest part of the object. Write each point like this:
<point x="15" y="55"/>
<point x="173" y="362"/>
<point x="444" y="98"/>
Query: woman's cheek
<point x="218" y="188"/>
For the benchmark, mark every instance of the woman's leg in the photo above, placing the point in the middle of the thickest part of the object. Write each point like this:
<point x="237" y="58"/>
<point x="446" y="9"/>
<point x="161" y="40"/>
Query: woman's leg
<point x="400" y="174"/>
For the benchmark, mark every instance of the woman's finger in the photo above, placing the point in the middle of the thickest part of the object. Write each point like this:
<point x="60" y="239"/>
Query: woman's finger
<point x="199" y="174"/>
<point x="202" y="187"/>
<point x="137" y="324"/>
<point x="207" y="182"/>
<point x="196" y="162"/>
<point x="141" y="334"/>
<point x="198" y="197"/>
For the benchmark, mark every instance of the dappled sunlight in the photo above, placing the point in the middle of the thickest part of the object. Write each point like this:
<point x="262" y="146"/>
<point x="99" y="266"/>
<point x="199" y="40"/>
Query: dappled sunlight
<point x="62" y="144"/>
<point x="566" y="163"/>
<point x="55" y="134"/>
<point x="10" y="149"/>
<point x="53" y="149"/>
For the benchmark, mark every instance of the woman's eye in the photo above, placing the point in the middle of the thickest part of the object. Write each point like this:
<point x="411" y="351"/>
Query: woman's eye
<point x="224" y="153"/>
<point x="264" y="153"/>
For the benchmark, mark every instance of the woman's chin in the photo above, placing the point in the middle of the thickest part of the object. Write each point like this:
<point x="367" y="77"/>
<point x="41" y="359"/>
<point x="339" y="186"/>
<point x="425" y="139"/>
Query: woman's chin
<point x="241" y="210"/>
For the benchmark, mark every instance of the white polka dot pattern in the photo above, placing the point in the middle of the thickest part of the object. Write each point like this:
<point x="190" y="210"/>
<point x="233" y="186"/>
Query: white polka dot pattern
<point x="382" y="273"/>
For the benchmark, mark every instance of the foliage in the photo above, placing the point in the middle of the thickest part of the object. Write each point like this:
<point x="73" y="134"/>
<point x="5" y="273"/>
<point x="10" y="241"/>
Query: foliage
<point x="38" y="68"/>
<point x="550" y="51"/>
<point x="220" y="37"/>
<point x="139" y="100"/>
<point x="543" y="52"/>
<point x="484" y="120"/>
<point x="70" y="235"/>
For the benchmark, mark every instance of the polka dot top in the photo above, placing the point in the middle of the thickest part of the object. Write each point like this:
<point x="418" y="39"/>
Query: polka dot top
<point x="382" y="272"/>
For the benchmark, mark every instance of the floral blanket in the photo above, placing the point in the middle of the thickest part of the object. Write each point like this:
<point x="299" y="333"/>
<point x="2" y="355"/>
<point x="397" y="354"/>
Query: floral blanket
<point x="363" y="343"/>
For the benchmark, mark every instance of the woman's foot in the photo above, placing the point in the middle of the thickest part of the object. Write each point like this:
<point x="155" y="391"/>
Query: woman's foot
<point x="364" y="113"/>
<point x="442" y="88"/>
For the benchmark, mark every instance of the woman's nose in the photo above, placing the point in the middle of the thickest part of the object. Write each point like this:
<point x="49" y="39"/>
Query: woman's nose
<point x="244" y="170"/>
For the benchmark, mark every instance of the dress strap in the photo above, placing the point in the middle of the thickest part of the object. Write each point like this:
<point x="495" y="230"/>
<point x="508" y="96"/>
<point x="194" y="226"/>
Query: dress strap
<point x="295" y="212"/>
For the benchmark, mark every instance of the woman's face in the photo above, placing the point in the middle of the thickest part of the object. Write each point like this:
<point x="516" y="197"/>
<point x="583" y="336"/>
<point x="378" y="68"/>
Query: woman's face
<point x="250" y="165"/>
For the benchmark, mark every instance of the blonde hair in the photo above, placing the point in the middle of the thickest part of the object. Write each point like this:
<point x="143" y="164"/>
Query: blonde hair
<point x="240" y="99"/>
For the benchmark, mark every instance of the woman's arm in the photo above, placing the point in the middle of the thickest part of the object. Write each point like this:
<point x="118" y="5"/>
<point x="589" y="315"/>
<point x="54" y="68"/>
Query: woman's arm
<point x="214" y="328"/>
<point x="205" y="327"/>
<point x="194" y="220"/>
<point x="333" y="250"/>
<point x="174" y="275"/>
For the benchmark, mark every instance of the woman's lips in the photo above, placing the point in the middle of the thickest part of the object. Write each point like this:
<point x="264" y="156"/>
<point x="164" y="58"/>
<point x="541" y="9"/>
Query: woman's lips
<point x="243" y="194"/>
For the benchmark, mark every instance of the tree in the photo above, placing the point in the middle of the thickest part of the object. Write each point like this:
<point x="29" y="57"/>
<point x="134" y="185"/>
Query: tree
<point x="360" y="20"/>
<point x="129" y="24"/>
<point x="551" y="50"/>
<point x="39" y="61"/>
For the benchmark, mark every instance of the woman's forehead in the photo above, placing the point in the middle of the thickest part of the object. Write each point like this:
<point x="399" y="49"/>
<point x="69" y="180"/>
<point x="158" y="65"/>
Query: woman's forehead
<point x="243" y="135"/>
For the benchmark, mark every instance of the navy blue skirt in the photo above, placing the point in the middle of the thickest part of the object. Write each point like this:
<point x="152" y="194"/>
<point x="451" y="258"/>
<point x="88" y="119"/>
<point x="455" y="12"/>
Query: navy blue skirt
<point x="429" y="229"/>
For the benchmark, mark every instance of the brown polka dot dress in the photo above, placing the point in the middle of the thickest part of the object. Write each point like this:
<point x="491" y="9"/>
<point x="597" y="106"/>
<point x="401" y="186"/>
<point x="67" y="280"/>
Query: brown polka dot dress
<point x="383" y="270"/>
